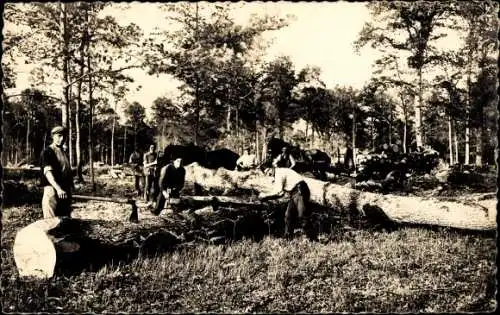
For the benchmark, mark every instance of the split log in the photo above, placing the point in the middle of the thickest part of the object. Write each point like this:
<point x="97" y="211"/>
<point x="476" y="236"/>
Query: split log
<point x="399" y="209"/>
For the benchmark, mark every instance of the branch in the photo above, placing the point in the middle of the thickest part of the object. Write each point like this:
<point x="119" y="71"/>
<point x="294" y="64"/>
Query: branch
<point x="101" y="71"/>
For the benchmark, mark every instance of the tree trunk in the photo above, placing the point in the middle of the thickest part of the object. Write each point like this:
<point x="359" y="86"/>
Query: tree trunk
<point x="354" y="139"/>
<point x="65" y="39"/>
<point x="228" y="120"/>
<point x="79" y="160"/>
<point x="257" y="142"/>
<point x="113" y="159"/>
<point x="28" y="139"/>
<point x="264" y="143"/>
<point x="70" y="136"/>
<point x="135" y="136"/>
<point x="373" y="133"/>
<point x="390" y="127"/>
<point x="399" y="209"/>
<point x="307" y="131"/>
<point x="312" y="138"/>
<point x="450" y="141"/>
<point x="455" y="141"/>
<point x="418" y="113"/>
<point x="479" y="146"/>
<point x="125" y="146"/>
<point x="197" y="96"/>
<point x="467" y="138"/>
<point x="113" y="127"/>
<point x="91" y="121"/>
<point x="45" y="140"/>
<point x="163" y="144"/>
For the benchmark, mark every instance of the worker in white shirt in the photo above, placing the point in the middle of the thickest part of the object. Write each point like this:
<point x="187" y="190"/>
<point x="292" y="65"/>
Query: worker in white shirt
<point x="246" y="161"/>
<point x="288" y="181"/>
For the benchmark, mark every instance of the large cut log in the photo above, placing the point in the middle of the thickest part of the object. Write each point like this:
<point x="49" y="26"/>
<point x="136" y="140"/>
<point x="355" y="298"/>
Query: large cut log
<point x="399" y="209"/>
<point x="47" y="244"/>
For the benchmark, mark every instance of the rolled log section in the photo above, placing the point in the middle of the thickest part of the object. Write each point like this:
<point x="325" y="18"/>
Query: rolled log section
<point x="398" y="209"/>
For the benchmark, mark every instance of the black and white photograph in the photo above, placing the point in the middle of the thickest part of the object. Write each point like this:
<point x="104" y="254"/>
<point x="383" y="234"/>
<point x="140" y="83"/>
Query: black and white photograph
<point x="249" y="157"/>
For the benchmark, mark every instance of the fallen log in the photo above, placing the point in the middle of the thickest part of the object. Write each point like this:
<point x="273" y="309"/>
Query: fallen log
<point x="399" y="209"/>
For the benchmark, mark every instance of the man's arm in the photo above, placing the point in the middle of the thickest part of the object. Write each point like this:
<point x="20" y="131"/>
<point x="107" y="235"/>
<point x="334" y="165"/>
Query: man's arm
<point x="164" y="190"/>
<point x="292" y="161"/>
<point x="52" y="181"/>
<point x="276" y="160"/>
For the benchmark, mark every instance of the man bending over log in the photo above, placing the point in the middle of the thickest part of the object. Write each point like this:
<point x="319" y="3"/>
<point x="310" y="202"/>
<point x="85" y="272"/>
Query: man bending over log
<point x="56" y="177"/>
<point x="289" y="181"/>
<point x="171" y="182"/>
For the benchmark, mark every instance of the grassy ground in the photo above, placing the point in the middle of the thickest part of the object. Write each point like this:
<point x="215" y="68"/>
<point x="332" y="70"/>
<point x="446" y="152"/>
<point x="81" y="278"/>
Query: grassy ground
<point x="407" y="270"/>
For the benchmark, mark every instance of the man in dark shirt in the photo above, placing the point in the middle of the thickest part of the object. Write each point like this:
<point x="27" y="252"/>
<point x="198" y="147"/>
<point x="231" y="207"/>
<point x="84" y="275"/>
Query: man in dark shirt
<point x="172" y="177"/>
<point x="149" y="172"/>
<point x="285" y="159"/>
<point x="136" y="162"/>
<point x="56" y="177"/>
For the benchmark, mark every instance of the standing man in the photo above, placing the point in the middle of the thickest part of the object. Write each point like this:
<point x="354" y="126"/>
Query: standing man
<point x="56" y="177"/>
<point x="246" y="161"/>
<point x="136" y="162"/>
<point x="171" y="182"/>
<point x="150" y="160"/>
<point x="285" y="159"/>
<point x="288" y="181"/>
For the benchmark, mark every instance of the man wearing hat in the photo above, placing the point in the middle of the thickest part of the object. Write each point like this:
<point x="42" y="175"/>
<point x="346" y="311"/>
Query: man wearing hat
<point x="56" y="177"/>
<point x="171" y="182"/>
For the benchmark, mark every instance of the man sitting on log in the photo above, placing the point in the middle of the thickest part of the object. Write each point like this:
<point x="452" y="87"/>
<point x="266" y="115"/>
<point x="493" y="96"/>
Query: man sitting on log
<point x="171" y="182"/>
<point x="56" y="177"/>
<point x="287" y="180"/>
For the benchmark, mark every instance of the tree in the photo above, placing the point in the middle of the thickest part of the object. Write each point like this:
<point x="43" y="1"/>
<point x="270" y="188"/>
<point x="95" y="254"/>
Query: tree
<point x="135" y="114"/>
<point x="205" y="53"/>
<point x="411" y="28"/>
<point x="479" y="42"/>
<point x="167" y="119"/>
<point x="280" y="80"/>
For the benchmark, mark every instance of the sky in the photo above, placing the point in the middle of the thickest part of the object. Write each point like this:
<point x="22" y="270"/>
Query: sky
<point x="321" y="34"/>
